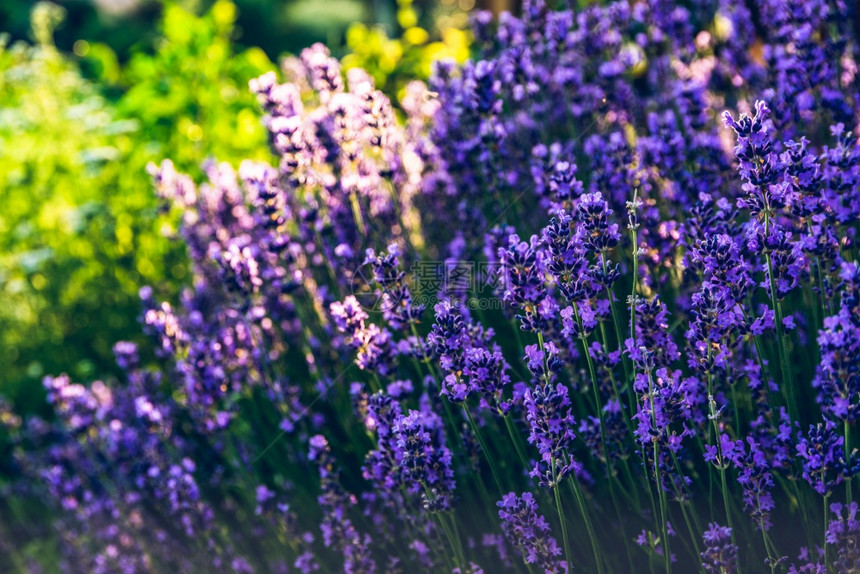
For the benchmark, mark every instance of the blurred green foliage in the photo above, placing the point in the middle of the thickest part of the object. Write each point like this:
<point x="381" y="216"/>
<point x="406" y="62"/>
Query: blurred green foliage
<point x="276" y="26"/>
<point x="79" y="228"/>
<point x="191" y="97"/>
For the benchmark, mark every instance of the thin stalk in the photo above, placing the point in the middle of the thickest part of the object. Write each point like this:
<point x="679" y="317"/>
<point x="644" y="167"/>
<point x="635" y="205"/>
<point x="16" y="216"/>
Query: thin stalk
<point x="375" y="383"/>
<point x="635" y="236"/>
<point x="356" y="213"/>
<point x="515" y="439"/>
<point x="597" y="399"/>
<point x="457" y="539"/>
<point x="615" y="392"/>
<point x="798" y="497"/>
<point x="444" y="527"/>
<point x="724" y="487"/>
<point x="667" y="552"/>
<point x="694" y="536"/>
<point x="847" y="445"/>
<point x="580" y="499"/>
<point x="633" y="232"/>
<point x="616" y="323"/>
<point x="561" y="520"/>
<point x="697" y="535"/>
<point x="788" y="381"/>
<point x="726" y="504"/>
<point x="452" y="542"/>
<point x="627" y="419"/>
<point x="654" y="507"/>
<point x="768" y="546"/>
<point x="826" y="524"/>
<point x="484" y="448"/>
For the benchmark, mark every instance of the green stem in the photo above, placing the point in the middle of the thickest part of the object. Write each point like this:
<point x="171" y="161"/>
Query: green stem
<point x="457" y="539"/>
<point x="515" y="439"/>
<point x="724" y="487"/>
<point x="847" y="446"/>
<point x="788" y="381"/>
<point x="667" y="552"/>
<point x="826" y="523"/>
<point x="580" y="499"/>
<point x="768" y="546"/>
<point x="661" y="493"/>
<point x="633" y="299"/>
<point x="484" y="448"/>
<point x="561" y="520"/>
<point x="356" y="213"/>
<point x="453" y="548"/>
<point x="694" y="536"/>
<point x="616" y="323"/>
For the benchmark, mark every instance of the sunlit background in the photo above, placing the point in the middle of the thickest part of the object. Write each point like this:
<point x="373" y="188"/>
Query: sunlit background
<point x="92" y="91"/>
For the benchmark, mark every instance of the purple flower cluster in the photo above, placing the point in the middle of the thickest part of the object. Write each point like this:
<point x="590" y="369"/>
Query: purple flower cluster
<point x="424" y="463"/>
<point x="529" y="531"/>
<point x="837" y="378"/>
<point x="337" y="530"/>
<point x="720" y="555"/>
<point x="708" y="349"/>
<point x="843" y="534"/>
<point x="466" y="352"/>
<point x="548" y="412"/>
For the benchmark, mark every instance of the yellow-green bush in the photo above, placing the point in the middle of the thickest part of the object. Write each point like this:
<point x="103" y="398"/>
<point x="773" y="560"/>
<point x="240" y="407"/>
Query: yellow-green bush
<point x="79" y="225"/>
<point x="394" y="61"/>
<point x="191" y="97"/>
<point x="80" y="230"/>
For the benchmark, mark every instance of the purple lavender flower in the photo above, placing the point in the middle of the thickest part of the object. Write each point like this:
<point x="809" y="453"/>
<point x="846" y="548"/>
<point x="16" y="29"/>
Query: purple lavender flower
<point x="663" y="417"/>
<point x="842" y="536"/>
<point x="653" y="347"/>
<point x="757" y="481"/>
<point x="837" y="377"/>
<point x="398" y="307"/>
<point x="720" y="555"/>
<point x="567" y="258"/>
<point x="373" y="344"/>
<point x="551" y="425"/>
<point x="425" y="462"/>
<point x="759" y="163"/>
<point x="523" y="281"/>
<point x="473" y="363"/>
<point x="572" y="115"/>
<point x="337" y="529"/>
<point x="823" y="457"/>
<point x="593" y="212"/>
<point x="529" y="531"/>
<point x="382" y="464"/>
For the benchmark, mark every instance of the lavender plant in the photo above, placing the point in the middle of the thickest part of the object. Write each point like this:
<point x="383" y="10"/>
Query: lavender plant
<point x="593" y="305"/>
